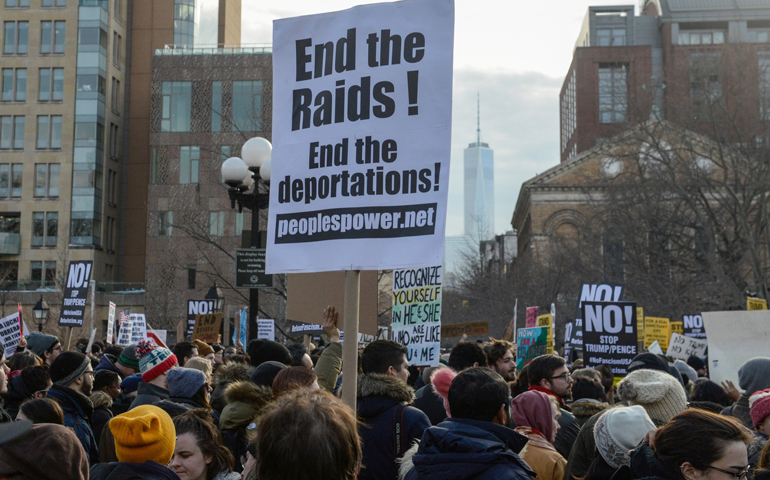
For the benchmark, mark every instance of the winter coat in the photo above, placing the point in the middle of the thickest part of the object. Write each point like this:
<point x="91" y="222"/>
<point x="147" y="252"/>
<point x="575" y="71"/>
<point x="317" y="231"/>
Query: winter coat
<point x="122" y="404"/>
<point x="224" y="376"/>
<point x="17" y="394"/>
<point x="78" y="411"/>
<point x="541" y="456"/>
<point x="431" y="403"/>
<point x="459" y="449"/>
<point x="329" y="366"/>
<point x="754" y="449"/>
<point x="47" y="452"/>
<point x="586" y="408"/>
<point x="583" y="451"/>
<point x="228" y="476"/>
<point x="102" y="402"/>
<point x="568" y="432"/>
<point x="378" y="399"/>
<point x="132" y="471"/>
<point x="192" y="404"/>
<point x="147" y="394"/>
<point x="245" y="401"/>
<point x="740" y="410"/>
<point x="106" y="364"/>
<point x="645" y="465"/>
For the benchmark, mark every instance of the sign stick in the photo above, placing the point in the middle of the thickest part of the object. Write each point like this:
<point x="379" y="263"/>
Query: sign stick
<point x="93" y="303"/>
<point x="69" y="340"/>
<point x="350" y="345"/>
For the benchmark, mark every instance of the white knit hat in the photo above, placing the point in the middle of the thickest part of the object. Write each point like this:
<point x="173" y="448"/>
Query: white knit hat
<point x="619" y="430"/>
<point x="659" y="393"/>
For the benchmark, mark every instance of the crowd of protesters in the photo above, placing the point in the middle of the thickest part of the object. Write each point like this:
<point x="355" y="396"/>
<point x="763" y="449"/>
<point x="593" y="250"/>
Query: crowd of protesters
<point x="271" y="412"/>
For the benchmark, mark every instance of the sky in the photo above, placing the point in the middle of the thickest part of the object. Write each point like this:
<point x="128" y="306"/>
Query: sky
<point x="514" y="54"/>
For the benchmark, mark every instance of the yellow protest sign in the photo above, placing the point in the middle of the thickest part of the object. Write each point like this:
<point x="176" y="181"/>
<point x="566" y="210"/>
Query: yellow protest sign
<point x="756" y="303"/>
<point x="547" y="321"/>
<point x="639" y="324"/>
<point x="676" y="327"/>
<point x="656" y="328"/>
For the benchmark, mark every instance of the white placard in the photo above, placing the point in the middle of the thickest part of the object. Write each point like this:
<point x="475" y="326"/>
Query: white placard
<point x="138" y="328"/>
<point x="655" y="348"/>
<point x="682" y="347"/>
<point x="362" y="114"/>
<point x="266" y="329"/>
<point x="124" y="334"/>
<point x="111" y="322"/>
<point x="735" y="337"/>
<point x="157" y="336"/>
<point x="416" y="317"/>
<point x="10" y="334"/>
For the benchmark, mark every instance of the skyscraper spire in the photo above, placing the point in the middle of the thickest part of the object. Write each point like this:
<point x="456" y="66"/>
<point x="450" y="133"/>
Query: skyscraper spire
<point x="478" y="120"/>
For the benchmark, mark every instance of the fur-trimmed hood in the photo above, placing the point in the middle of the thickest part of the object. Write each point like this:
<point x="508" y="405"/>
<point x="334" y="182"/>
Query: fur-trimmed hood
<point x="232" y="372"/>
<point x="586" y="408"/>
<point x="101" y="399"/>
<point x="374" y="384"/>
<point x="245" y="401"/>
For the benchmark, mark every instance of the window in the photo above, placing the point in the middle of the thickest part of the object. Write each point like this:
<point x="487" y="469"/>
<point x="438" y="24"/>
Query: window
<point x="705" y="85"/>
<point x="47" y="180"/>
<point x="155" y="166"/>
<point x="51" y="85"/>
<point x="12" y="132"/>
<point x="112" y="187"/>
<point x="10" y="229"/>
<point x="568" y="111"/>
<point x="191" y="278"/>
<point x="44" y="274"/>
<point x="109" y="233"/>
<point x="54" y="3"/>
<point x="184" y="22"/>
<point x="756" y="35"/>
<point x="224" y="153"/>
<point x="9" y="275"/>
<point x="10" y="180"/>
<point x="115" y="95"/>
<point x="613" y="91"/>
<point x="45" y="229"/>
<point x="238" y="223"/>
<point x="216" y="107"/>
<point x="763" y="59"/>
<point x="14" y="84"/>
<point x="114" y="137"/>
<point x="48" y="132"/>
<point x="188" y="164"/>
<point x="116" y="10"/>
<point x="177" y="100"/>
<point x="16" y="35"/>
<point x="216" y="224"/>
<point x="612" y="248"/>
<point x="16" y="3"/>
<point x="91" y="83"/>
<point x="165" y="224"/>
<point x="701" y="37"/>
<point x="116" y="49"/>
<point x="52" y="37"/>
<point x="92" y="36"/>
<point x="247" y="106"/>
<point x="611" y="37"/>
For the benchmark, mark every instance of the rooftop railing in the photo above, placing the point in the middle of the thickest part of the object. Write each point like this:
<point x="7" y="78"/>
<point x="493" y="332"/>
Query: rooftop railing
<point x="221" y="49"/>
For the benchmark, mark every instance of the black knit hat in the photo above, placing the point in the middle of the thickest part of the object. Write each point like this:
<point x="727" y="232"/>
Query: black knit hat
<point x="67" y="365"/>
<point x="266" y="373"/>
<point x="695" y="362"/>
<point x="648" y="361"/>
<point x="261" y="351"/>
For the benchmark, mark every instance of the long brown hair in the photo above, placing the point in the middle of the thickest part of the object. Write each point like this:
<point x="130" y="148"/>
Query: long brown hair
<point x="698" y="437"/>
<point x="199" y="423"/>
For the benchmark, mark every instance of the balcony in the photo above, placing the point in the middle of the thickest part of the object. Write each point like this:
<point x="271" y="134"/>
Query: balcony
<point x="10" y="243"/>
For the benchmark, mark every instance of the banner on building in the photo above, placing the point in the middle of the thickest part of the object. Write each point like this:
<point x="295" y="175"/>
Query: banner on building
<point x="460" y="329"/>
<point x="111" y="322"/>
<point x="207" y="327"/>
<point x="681" y="347"/>
<point x="266" y="329"/>
<point x="734" y="338"/>
<point x="530" y="344"/>
<point x="416" y="317"/>
<point x="755" y="304"/>
<point x="75" y="297"/>
<point x="609" y="335"/>
<point x="693" y="326"/>
<point x="195" y="308"/>
<point x="531" y="320"/>
<point x="362" y="115"/>
<point x="656" y="328"/>
<point x="546" y="321"/>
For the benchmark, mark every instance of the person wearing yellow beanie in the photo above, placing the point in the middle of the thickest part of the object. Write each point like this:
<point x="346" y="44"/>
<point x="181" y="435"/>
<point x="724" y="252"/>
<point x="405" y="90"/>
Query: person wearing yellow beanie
<point x="144" y="444"/>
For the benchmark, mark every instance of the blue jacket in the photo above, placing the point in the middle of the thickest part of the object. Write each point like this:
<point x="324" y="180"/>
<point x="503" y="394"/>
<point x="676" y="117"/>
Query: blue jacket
<point x="379" y="397"/>
<point x="78" y="410"/>
<point x="459" y="449"/>
<point x="106" y="364"/>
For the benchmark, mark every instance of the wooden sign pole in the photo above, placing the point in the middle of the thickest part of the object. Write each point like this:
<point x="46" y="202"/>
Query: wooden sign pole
<point x="350" y="341"/>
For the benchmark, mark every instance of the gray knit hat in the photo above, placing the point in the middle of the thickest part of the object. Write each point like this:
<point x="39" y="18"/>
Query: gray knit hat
<point x="38" y="342"/>
<point x="659" y="393"/>
<point x="185" y="382"/>
<point x="619" y="430"/>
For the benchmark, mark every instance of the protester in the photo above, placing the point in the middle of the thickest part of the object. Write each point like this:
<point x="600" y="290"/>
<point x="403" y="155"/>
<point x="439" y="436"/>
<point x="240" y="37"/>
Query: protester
<point x="265" y="374"/>
<point x="698" y="365"/>
<point x="704" y="390"/>
<point x="691" y="446"/>
<point x="154" y="363"/>
<point x="46" y="452"/>
<point x="107" y="381"/>
<point x="245" y="401"/>
<point x="383" y="399"/>
<point x="293" y="378"/>
<point x="184" y="351"/>
<point x="500" y="358"/>
<point x="128" y="361"/>
<point x="261" y="351"/>
<point x="72" y="376"/>
<point x="329" y="364"/>
<point x="41" y="410"/>
<point x="188" y="387"/>
<point x="225" y="375"/>
<point x="308" y="435"/>
<point x="537" y="418"/>
<point x="199" y="453"/>
<point x="549" y="374"/>
<point x="464" y="355"/>
<point x="202" y="364"/>
<point x="128" y="392"/>
<point x="44" y="346"/>
<point x="608" y="382"/>
<point x="219" y="350"/>
<point x="476" y="441"/>
<point x="105" y="390"/>
<point x="759" y="405"/>
<point x="588" y="399"/>
<point x="299" y="356"/>
<point x="32" y="382"/>
<point x="618" y="431"/>
<point x="204" y="351"/>
<point x="585" y="373"/>
<point x="753" y="376"/>
<point x="144" y="444"/>
<point x="21" y="360"/>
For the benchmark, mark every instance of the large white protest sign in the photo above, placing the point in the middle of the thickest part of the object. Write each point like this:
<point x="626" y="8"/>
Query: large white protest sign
<point x="682" y="347"/>
<point x="266" y="329"/>
<point x="416" y="321"/>
<point x="10" y="333"/>
<point x="138" y="328"/>
<point x="735" y="337"/>
<point x="111" y="322"/>
<point x="362" y="112"/>
<point x="124" y="333"/>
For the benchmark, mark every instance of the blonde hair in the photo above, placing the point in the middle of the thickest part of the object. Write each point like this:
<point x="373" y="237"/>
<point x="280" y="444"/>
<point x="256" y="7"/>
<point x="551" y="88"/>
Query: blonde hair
<point x="200" y="363"/>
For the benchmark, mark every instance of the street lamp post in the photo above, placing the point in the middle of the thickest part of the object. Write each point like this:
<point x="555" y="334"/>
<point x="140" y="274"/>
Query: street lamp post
<point x="41" y="313"/>
<point x="239" y="175"/>
<point x="215" y="294"/>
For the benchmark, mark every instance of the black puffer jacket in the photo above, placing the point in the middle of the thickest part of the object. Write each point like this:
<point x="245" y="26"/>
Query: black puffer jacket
<point x="646" y="465"/>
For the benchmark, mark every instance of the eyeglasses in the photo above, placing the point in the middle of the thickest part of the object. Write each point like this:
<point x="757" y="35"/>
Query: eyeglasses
<point x="229" y="354"/>
<point x="564" y="376"/>
<point x="742" y="475"/>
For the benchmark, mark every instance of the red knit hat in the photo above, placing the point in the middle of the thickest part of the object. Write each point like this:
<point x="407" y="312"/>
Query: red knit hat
<point x="760" y="406"/>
